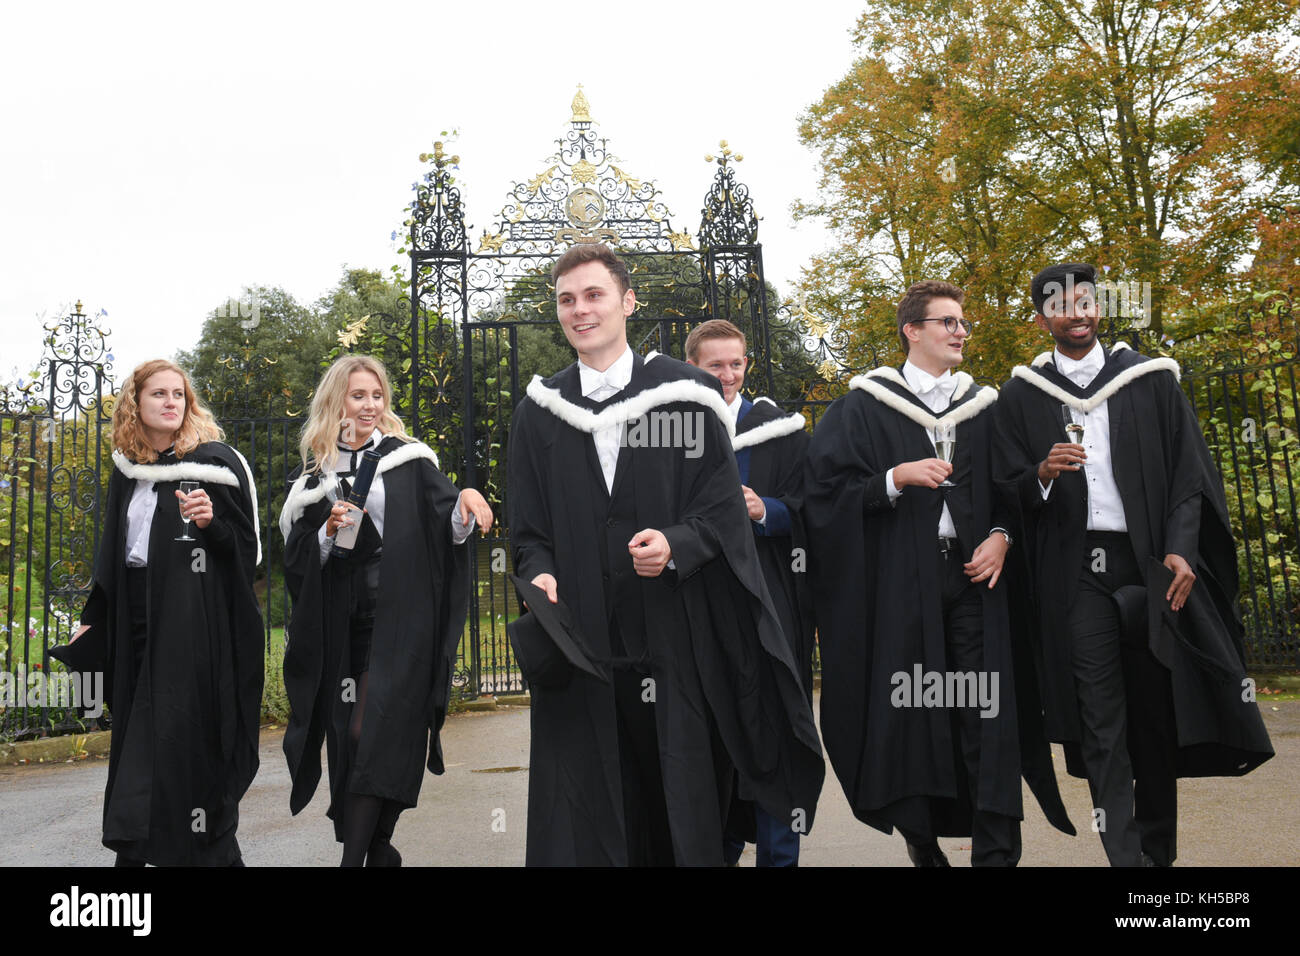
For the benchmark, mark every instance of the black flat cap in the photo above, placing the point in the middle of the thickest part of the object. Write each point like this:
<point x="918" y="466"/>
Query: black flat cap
<point x="547" y="645"/>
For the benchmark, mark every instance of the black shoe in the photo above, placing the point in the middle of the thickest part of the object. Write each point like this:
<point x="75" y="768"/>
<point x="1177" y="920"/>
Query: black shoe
<point x="927" y="855"/>
<point x="383" y="854"/>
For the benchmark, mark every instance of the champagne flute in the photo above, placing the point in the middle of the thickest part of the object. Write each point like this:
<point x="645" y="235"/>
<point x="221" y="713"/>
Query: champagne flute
<point x="1073" y="424"/>
<point x="187" y="488"/>
<point x="945" y="443"/>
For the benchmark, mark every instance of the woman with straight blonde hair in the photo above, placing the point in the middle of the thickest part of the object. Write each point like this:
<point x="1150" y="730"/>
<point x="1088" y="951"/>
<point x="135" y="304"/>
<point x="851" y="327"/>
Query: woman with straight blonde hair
<point x="374" y="626"/>
<point x="174" y="626"/>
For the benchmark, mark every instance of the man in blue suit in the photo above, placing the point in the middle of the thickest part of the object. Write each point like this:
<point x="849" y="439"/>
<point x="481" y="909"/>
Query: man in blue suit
<point x="770" y="447"/>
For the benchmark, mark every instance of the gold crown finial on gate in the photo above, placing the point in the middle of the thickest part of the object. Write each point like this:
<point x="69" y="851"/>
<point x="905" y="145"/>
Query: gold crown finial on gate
<point x="581" y="108"/>
<point x="725" y="156"/>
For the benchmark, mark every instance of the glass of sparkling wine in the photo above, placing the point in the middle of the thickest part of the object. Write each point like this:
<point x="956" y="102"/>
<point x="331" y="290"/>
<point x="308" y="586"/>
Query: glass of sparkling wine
<point x="1073" y="424"/>
<point x="188" y="488"/>
<point x="945" y="442"/>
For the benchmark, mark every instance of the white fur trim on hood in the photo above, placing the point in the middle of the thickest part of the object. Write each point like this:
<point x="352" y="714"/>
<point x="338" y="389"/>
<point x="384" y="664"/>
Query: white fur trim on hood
<point x="776" y="428"/>
<point x="630" y="409"/>
<point x="1129" y="375"/>
<point x="202" y="472"/>
<point x="252" y="490"/>
<point x="984" y="398"/>
<point x="180" y="471"/>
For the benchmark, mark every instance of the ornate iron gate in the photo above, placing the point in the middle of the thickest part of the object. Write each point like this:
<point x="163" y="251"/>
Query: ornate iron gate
<point x="483" y="321"/>
<point x="55" y="443"/>
<point x="1248" y="405"/>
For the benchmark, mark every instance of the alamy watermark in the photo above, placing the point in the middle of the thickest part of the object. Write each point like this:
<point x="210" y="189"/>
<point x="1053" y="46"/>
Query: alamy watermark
<point x="1115" y="300"/>
<point x="675" y="429"/>
<point x="246" y="308"/>
<point x="947" y="689"/>
<point x="60" y="689"/>
<point x="75" y="908"/>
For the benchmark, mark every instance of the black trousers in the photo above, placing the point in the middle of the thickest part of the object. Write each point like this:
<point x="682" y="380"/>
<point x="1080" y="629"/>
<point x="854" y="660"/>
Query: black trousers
<point x="645" y="811"/>
<point x="995" y="837"/>
<point x="1125" y="713"/>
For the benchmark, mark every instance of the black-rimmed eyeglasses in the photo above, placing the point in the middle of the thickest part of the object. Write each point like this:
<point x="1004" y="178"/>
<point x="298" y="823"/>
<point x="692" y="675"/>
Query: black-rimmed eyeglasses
<point x="950" y="322"/>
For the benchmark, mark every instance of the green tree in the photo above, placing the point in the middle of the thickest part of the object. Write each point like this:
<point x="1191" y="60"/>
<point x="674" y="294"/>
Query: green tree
<point x="258" y="354"/>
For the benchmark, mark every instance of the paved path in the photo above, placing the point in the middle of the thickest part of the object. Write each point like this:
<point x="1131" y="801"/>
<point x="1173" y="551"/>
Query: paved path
<point x="50" y="815"/>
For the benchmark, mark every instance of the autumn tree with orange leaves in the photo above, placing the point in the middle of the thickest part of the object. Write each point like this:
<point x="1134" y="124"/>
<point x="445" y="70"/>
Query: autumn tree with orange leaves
<point x="979" y="141"/>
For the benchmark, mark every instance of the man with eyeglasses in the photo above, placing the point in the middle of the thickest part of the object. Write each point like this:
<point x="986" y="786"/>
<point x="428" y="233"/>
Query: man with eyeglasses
<point x="1126" y="512"/>
<point x="907" y="543"/>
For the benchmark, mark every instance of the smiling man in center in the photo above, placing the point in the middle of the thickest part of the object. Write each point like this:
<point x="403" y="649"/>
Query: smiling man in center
<point x="649" y="550"/>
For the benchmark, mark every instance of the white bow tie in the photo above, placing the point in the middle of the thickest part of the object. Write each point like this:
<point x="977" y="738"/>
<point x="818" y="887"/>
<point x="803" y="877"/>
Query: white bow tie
<point x="598" y="380"/>
<point x="1083" y="372"/>
<point x="944" y="387"/>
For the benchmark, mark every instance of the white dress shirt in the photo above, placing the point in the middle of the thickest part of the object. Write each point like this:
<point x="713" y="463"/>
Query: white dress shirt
<point x="599" y="386"/>
<point x="139" y="522"/>
<point x="733" y="407"/>
<point x="1105" y="508"/>
<point x="375" y="501"/>
<point x="936" y="393"/>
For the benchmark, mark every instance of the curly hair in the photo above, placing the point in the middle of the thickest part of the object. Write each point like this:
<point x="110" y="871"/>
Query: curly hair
<point x="198" y="425"/>
<point x="320" y="436"/>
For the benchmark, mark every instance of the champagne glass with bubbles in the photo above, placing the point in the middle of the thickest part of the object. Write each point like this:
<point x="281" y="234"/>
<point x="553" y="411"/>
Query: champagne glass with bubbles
<point x="945" y="443"/>
<point x="187" y="488"/>
<point x="1073" y="421"/>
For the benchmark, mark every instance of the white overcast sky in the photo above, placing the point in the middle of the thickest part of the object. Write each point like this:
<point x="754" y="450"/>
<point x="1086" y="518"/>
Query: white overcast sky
<point x="155" y="159"/>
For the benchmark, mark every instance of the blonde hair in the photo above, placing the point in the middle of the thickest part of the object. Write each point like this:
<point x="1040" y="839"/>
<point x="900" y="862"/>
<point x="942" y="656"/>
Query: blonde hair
<point x="712" y="329"/>
<point x="197" y="427"/>
<point x="320" y="436"/>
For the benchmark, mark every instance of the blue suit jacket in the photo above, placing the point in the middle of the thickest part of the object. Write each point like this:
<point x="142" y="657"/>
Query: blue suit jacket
<point x="778" y="516"/>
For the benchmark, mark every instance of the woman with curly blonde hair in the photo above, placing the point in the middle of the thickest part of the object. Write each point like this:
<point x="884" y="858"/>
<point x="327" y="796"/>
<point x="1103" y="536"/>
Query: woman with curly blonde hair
<point x="374" y="628"/>
<point x="173" y="624"/>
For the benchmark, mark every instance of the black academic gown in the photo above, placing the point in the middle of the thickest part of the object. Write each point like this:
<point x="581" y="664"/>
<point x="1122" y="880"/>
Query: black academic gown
<point x="422" y="601"/>
<point x="1173" y="503"/>
<point x="770" y="446"/>
<point x="776" y="444"/>
<point x="727" y="692"/>
<point x="876" y="578"/>
<point x="184" y="741"/>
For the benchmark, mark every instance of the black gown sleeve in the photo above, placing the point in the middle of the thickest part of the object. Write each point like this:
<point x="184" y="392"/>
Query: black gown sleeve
<point x="232" y="530"/>
<point x="1015" y="469"/>
<point x="529" y="512"/>
<point x="1183" y="523"/>
<point x="450" y="572"/>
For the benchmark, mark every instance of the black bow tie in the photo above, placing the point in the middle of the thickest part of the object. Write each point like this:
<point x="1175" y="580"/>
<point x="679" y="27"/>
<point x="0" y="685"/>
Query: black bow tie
<point x="354" y="452"/>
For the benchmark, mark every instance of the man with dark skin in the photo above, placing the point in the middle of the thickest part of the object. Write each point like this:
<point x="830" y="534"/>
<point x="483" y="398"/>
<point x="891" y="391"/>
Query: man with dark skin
<point x="1131" y="512"/>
